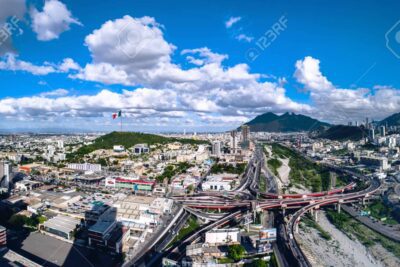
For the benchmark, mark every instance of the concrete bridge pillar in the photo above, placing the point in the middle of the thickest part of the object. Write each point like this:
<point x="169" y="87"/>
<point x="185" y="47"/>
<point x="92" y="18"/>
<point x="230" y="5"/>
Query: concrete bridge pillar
<point x="283" y="212"/>
<point x="312" y="212"/>
<point x="339" y="207"/>
<point x="316" y="215"/>
<point x="363" y="201"/>
<point x="296" y="227"/>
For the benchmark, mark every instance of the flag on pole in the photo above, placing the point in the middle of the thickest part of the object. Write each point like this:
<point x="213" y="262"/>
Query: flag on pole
<point x="116" y="115"/>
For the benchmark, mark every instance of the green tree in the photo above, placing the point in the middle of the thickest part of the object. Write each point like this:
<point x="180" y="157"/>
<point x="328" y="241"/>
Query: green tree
<point x="236" y="252"/>
<point x="258" y="263"/>
<point x="17" y="221"/>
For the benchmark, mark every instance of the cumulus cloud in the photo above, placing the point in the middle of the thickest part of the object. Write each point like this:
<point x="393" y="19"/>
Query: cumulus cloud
<point x="52" y="21"/>
<point x="68" y="64"/>
<point x="133" y="52"/>
<point x="232" y="20"/>
<point x="206" y="56"/>
<point x="340" y="105"/>
<point x="57" y="92"/>
<point x="11" y="62"/>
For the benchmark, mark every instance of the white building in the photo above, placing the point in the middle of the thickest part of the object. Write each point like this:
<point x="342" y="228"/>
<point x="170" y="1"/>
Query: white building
<point x="216" y="148"/>
<point x="221" y="182"/>
<point x="223" y="236"/>
<point x="85" y="167"/>
<point x="60" y="144"/>
<point x="140" y="149"/>
<point x="118" y="148"/>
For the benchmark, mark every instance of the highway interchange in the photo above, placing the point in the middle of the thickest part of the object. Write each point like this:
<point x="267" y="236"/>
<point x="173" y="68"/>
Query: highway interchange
<point x="247" y="197"/>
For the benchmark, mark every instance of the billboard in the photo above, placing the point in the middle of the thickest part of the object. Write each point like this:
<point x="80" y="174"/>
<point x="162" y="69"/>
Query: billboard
<point x="110" y="182"/>
<point x="267" y="234"/>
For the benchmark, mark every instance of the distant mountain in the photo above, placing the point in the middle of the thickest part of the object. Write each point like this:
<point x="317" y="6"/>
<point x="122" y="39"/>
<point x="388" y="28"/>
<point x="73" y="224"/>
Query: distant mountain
<point x="288" y="122"/>
<point x="392" y="120"/>
<point x="343" y="132"/>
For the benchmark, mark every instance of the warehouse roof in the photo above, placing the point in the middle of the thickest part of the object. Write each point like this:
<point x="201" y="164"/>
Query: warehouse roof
<point x="62" y="223"/>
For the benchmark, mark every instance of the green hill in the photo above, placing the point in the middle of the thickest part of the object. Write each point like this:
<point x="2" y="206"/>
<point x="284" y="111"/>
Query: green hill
<point x="343" y="132"/>
<point x="288" y="122"/>
<point x="129" y="139"/>
<point x="392" y="120"/>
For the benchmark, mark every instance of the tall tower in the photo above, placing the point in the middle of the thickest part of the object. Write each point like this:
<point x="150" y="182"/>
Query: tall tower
<point x="245" y="135"/>
<point x="333" y="179"/>
<point x="5" y="173"/>
<point x="371" y="134"/>
<point x="382" y="130"/>
<point x="233" y="143"/>
<point x="216" y="148"/>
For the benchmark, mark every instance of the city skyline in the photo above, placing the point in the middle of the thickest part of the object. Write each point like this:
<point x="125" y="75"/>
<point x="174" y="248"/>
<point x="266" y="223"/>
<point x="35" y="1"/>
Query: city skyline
<point x="169" y="69"/>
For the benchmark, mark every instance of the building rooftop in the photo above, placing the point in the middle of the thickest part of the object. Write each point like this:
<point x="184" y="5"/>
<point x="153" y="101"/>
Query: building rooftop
<point x="62" y="223"/>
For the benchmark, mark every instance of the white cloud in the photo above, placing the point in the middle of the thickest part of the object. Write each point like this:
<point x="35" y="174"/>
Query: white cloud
<point x="52" y="21"/>
<point x="208" y="87"/>
<point x="244" y="38"/>
<point x="232" y="20"/>
<point x="10" y="62"/>
<point x="341" y="104"/>
<point x="220" y="93"/>
<point x="308" y="73"/>
<point x="68" y="64"/>
<point x="57" y="92"/>
<point x="205" y="54"/>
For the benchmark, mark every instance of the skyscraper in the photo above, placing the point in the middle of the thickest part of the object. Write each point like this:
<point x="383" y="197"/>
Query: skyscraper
<point x="371" y="134"/>
<point x="382" y="131"/>
<point x="216" y="148"/>
<point x="245" y="136"/>
<point x="233" y="143"/>
<point x="5" y="173"/>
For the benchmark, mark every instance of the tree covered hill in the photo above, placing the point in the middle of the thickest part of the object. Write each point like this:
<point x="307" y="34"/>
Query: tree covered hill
<point x="129" y="139"/>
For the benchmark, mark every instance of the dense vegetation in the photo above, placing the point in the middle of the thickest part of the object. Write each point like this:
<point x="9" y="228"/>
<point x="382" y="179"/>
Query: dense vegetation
<point x="128" y="139"/>
<point x="303" y="171"/>
<point x="274" y="165"/>
<point x="344" y="132"/>
<point x="238" y="168"/>
<point x="379" y="211"/>
<point x="236" y="252"/>
<point x="18" y="221"/>
<point x="354" y="229"/>
<point x="172" y="170"/>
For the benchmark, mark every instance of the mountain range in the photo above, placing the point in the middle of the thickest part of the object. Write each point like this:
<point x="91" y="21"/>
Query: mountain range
<point x="291" y="122"/>
<point x="287" y="122"/>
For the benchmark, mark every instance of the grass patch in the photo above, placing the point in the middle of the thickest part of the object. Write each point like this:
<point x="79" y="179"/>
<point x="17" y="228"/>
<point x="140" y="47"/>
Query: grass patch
<point x="190" y="226"/>
<point x="274" y="164"/>
<point x="225" y="260"/>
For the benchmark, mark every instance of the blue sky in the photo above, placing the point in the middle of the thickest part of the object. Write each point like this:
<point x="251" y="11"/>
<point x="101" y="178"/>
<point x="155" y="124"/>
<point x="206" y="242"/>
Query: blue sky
<point x="174" y="65"/>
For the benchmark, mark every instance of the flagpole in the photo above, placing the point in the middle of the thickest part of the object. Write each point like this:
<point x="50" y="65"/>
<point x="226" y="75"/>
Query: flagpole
<point x="120" y="117"/>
